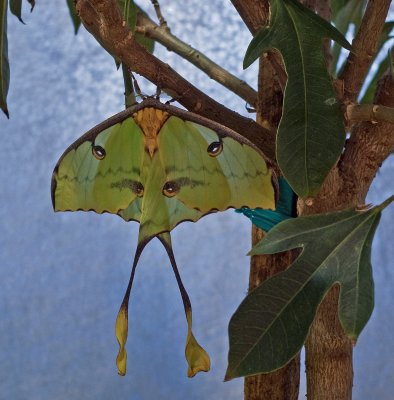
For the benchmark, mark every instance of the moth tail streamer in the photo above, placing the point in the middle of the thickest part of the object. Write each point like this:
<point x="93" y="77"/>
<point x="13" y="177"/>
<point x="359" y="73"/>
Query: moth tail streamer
<point x="197" y="358"/>
<point x="122" y="320"/>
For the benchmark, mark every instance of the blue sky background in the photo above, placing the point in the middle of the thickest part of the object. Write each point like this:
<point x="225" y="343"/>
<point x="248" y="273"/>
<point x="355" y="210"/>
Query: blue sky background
<point x="63" y="275"/>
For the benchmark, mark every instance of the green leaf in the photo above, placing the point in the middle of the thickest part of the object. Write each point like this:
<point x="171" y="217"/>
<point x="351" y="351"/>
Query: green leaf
<point x="74" y="16"/>
<point x="129" y="95"/>
<point x="4" y="65"/>
<point x="130" y="11"/>
<point x="271" y="324"/>
<point x="145" y="41"/>
<point x="337" y="6"/>
<point x="16" y="9"/>
<point x="311" y="134"/>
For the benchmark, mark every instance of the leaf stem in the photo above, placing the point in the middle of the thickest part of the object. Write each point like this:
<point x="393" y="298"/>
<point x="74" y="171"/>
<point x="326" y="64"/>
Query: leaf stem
<point x="162" y="21"/>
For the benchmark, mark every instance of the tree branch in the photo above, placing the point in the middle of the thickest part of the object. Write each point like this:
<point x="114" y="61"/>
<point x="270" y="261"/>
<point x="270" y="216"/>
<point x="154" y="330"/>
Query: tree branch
<point x="369" y="145"/>
<point x="104" y="20"/>
<point x="255" y="13"/>
<point x="163" y="35"/>
<point x="364" y="48"/>
<point x="369" y="112"/>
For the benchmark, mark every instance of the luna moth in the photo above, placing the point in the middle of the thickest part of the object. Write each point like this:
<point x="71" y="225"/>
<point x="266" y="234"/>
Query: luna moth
<point x="159" y="165"/>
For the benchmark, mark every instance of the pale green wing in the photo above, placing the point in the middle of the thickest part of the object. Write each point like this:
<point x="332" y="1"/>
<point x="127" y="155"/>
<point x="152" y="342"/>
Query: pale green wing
<point x="158" y="212"/>
<point x="83" y="181"/>
<point x="212" y="172"/>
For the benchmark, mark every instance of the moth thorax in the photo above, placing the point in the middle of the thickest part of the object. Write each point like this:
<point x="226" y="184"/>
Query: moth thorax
<point x="150" y="120"/>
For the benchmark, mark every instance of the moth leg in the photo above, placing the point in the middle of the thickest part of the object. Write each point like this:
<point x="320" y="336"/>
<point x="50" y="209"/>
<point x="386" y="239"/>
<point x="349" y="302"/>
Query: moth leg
<point x="137" y="89"/>
<point x="197" y="358"/>
<point x="158" y="92"/>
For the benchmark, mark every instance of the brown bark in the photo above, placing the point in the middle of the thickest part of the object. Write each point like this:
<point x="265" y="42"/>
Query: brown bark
<point x="364" y="48"/>
<point x="254" y="13"/>
<point x="369" y="145"/>
<point x="282" y="384"/>
<point x="329" y="364"/>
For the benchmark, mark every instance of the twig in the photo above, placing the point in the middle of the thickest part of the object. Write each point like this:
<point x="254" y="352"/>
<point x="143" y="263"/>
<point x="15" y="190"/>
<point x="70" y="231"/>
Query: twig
<point x="104" y="20"/>
<point x="369" y="145"/>
<point x="162" y="35"/>
<point x="369" y="112"/>
<point x="162" y="21"/>
<point x="364" y="48"/>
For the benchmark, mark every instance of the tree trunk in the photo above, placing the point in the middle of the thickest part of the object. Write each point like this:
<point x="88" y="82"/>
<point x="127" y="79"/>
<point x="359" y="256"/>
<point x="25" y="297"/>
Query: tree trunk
<point x="282" y="384"/>
<point x="328" y="354"/>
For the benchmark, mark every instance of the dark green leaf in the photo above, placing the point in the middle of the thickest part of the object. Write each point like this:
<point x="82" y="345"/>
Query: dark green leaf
<point x="311" y="134"/>
<point x="144" y="41"/>
<point x="16" y="9"/>
<point x="4" y="65"/>
<point x="128" y="88"/>
<point x="129" y="10"/>
<point x="337" y="6"/>
<point x="74" y="16"/>
<point x="271" y="324"/>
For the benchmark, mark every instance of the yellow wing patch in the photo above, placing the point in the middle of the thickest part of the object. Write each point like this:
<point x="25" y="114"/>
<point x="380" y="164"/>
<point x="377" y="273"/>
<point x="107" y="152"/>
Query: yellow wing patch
<point x="150" y="120"/>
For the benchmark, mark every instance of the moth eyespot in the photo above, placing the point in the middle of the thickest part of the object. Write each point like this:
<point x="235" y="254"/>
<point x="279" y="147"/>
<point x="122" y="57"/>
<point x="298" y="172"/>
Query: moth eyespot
<point x="215" y="148"/>
<point x="170" y="189"/>
<point x="138" y="189"/>
<point x="98" y="152"/>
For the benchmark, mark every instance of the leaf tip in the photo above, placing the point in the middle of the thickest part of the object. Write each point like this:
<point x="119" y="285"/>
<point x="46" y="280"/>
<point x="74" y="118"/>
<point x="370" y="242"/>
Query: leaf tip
<point x="6" y="112"/>
<point x="229" y="376"/>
